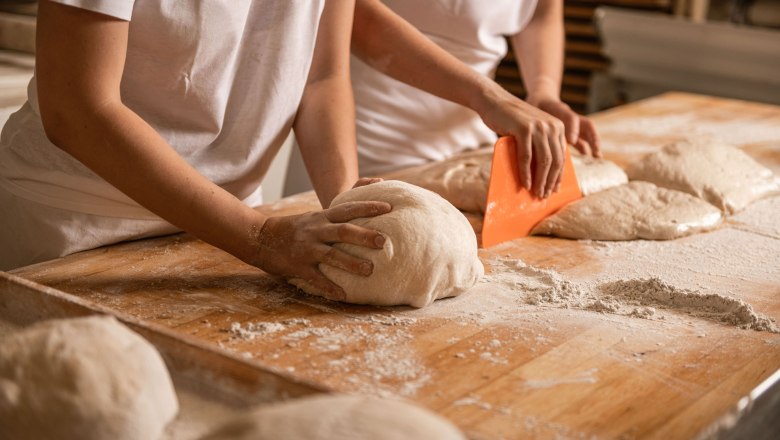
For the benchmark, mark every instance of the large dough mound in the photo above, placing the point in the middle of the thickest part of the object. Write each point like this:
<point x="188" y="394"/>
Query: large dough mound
<point x="430" y="250"/>
<point x="87" y="379"/>
<point x="721" y="174"/>
<point x="637" y="210"/>
<point x="463" y="180"/>
<point x="338" y="417"/>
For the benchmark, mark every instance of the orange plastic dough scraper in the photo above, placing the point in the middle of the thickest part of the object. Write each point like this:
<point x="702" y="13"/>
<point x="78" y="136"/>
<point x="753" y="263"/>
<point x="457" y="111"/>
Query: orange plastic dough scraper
<point x="511" y="210"/>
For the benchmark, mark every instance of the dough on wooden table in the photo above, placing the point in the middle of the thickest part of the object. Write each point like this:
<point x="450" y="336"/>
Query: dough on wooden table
<point x="637" y="210"/>
<point x="86" y="378"/>
<point x="719" y="173"/>
<point x="594" y="175"/>
<point x="463" y="180"/>
<point x="430" y="250"/>
<point x="338" y="417"/>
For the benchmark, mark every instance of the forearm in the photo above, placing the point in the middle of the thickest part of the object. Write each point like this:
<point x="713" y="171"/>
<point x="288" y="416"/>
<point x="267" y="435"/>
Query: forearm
<point x="325" y="130"/>
<point x="539" y="49"/>
<point x="389" y="44"/>
<point x="123" y="149"/>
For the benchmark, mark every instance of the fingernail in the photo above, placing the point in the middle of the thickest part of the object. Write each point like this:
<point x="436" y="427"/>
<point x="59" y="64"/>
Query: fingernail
<point x="366" y="268"/>
<point x="379" y="241"/>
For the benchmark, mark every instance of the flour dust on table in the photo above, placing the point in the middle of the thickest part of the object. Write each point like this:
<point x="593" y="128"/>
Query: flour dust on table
<point x="430" y="250"/>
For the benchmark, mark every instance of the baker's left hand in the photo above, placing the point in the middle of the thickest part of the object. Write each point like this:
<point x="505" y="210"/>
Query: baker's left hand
<point x="580" y="131"/>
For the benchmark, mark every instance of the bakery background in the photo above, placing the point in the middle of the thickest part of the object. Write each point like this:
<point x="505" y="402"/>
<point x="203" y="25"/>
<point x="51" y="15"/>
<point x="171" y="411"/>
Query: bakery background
<point x="680" y="376"/>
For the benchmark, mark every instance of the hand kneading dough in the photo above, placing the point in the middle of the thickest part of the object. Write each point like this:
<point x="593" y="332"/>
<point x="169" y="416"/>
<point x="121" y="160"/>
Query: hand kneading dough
<point x="338" y="417"/>
<point x="637" y="210"/>
<point x="430" y="250"/>
<point x="463" y="180"/>
<point x="86" y="378"/>
<point x="721" y="174"/>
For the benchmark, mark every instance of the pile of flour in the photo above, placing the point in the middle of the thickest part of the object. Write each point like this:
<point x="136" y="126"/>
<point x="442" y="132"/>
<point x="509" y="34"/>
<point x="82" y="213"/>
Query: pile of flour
<point x="638" y="297"/>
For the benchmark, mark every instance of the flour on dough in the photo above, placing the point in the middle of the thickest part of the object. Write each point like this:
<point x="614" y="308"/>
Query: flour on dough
<point x="87" y="378"/>
<point x="713" y="171"/>
<point x="637" y="210"/>
<point x="463" y="180"/>
<point x="338" y="417"/>
<point x="430" y="250"/>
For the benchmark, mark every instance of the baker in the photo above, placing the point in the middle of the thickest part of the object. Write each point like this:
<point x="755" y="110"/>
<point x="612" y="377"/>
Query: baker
<point x="400" y="126"/>
<point x="145" y="118"/>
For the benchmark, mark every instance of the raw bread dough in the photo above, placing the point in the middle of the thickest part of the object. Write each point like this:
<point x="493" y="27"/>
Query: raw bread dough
<point x="594" y="175"/>
<point x="719" y="173"/>
<point x="86" y="378"/>
<point x="338" y="417"/>
<point x="430" y="250"/>
<point x="637" y="210"/>
<point x="463" y="180"/>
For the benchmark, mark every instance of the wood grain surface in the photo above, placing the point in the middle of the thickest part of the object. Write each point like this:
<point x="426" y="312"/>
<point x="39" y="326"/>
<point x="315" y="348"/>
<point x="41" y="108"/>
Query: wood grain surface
<point x="496" y="366"/>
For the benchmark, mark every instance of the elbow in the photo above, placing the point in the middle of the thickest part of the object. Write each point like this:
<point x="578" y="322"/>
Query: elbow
<point x="56" y="124"/>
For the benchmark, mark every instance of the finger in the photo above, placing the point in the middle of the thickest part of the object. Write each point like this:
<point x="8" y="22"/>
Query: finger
<point x="524" y="149"/>
<point x="543" y="158"/>
<point x="352" y="234"/>
<point x="571" y="122"/>
<point x="363" y="181"/>
<point x="329" y="289"/>
<point x="351" y="210"/>
<point x="337" y="258"/>
<point x="591" y="135"/>
<point x="556" y="165"/>
<point x="583" y="147"/>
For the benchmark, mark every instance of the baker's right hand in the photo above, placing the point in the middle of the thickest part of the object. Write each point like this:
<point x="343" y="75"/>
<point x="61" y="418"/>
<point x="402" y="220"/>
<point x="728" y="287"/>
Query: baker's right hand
<point x="294" y="246"/>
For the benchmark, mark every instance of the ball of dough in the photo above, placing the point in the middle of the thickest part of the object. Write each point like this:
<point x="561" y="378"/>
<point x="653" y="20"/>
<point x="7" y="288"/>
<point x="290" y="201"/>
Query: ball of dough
<point x="86" y="378"/>
<point x="718" y="173"/>
<point x="338" y="417"/>
<point x="430" y="250"/>
<point x="632" y="211"/>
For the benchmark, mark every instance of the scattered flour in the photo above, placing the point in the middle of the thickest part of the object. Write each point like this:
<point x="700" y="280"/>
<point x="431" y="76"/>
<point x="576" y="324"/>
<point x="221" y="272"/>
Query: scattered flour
<point x="636" y="297"/>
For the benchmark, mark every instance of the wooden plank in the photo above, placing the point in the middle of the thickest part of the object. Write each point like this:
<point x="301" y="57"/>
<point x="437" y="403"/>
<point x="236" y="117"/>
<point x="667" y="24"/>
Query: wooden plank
<point x="494" y="365"/>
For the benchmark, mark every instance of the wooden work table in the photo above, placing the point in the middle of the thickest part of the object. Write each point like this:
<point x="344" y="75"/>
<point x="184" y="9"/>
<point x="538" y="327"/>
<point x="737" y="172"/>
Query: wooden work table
<point x="496" y="367"/>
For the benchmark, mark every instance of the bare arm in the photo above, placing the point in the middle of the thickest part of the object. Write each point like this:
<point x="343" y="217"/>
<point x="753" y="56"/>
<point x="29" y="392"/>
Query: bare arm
<point x="79" y="64"/>
<point x="391" y="45"/>
<point x="540" y="49"/>
<point x="325" y="123"/>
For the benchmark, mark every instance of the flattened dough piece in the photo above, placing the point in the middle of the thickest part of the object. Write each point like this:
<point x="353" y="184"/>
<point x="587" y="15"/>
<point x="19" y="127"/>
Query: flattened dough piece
<point x="338" y="417"/>
<point x="713" y="171"/>
<point x="463" y="180"/>
<point x="86" y="378"/>
<point x="594" y="175"/>
<point x="637" y="210"/>
<point x="430" y="249"/>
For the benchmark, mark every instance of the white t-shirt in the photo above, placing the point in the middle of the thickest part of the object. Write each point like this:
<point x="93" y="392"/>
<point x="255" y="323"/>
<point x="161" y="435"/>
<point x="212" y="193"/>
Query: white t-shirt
<point x="220" y="81"/>
<point x="400" y="126"/>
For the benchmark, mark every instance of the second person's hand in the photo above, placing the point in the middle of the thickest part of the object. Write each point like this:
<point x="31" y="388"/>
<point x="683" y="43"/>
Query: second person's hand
<point x="540" y="138"/>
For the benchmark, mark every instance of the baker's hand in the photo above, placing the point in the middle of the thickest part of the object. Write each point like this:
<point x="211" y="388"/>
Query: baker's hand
<point x="580" y="131"/>
<point x="539" y="136"/>
<point x="293" y="246"/>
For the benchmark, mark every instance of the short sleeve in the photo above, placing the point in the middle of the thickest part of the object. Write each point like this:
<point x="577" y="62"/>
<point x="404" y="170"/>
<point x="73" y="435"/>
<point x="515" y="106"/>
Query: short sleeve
<point x="121" y="9"/>
<point x="527" y="9"/>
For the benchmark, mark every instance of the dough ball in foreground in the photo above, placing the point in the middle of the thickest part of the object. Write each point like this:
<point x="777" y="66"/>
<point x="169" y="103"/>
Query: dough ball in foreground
<point x="430" y="250"/>
<point x="637" y="210"/>
<point x="463" y="180"/>
<point x="86" y="378"/>
<point x="718" y="173"/>
<point x="338" y="417"/>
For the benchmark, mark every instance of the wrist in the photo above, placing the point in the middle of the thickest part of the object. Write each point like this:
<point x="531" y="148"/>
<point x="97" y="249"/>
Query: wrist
<point x="543" y="90"/>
